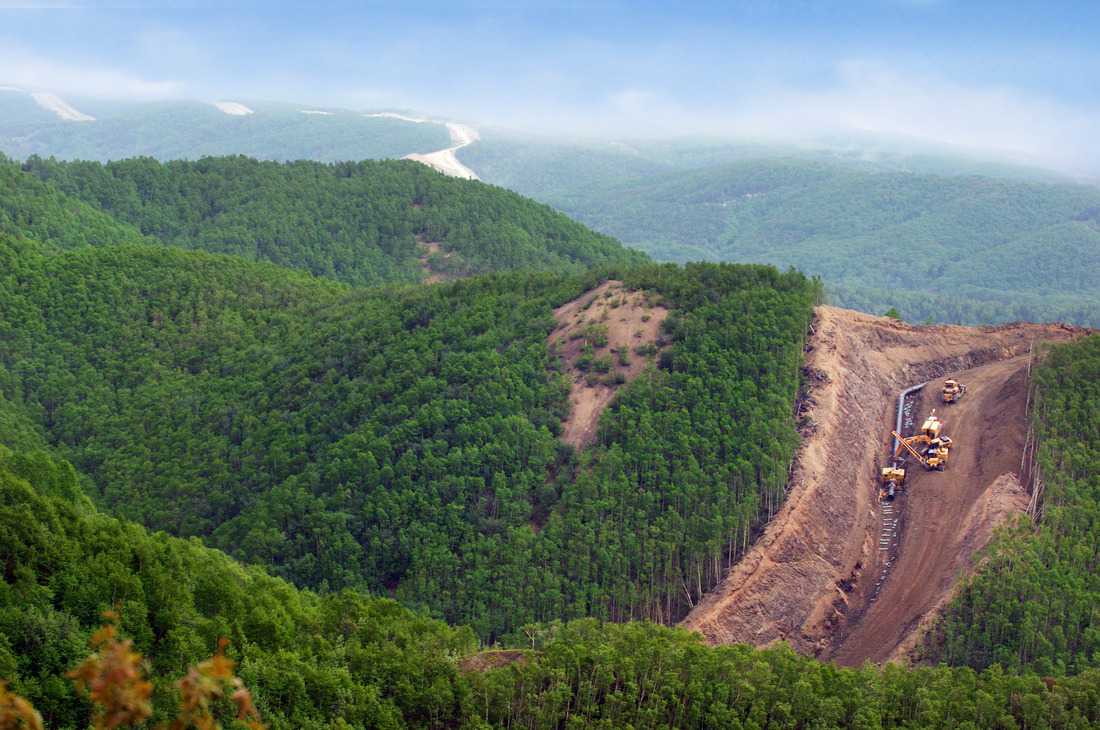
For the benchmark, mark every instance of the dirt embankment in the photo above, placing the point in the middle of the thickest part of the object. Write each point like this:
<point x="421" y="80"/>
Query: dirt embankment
<point x="819" y="576"/>
<point x="604" y="338"/>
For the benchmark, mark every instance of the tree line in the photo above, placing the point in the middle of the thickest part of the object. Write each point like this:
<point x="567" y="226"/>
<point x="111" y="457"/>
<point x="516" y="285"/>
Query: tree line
<point x="402" y="440"/>
<point x="1033" y="605"/>
<point x="348" y="660"/>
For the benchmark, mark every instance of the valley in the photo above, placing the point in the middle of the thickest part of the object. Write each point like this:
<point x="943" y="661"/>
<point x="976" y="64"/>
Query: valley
<point x="431" y="454"/>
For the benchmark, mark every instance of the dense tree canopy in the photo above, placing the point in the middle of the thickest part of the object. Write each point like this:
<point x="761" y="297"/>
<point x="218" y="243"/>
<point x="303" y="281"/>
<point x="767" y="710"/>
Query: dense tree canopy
<point x="345" y="660"/>
<point x="402" y="439"/>
<point x="362" y="223"/>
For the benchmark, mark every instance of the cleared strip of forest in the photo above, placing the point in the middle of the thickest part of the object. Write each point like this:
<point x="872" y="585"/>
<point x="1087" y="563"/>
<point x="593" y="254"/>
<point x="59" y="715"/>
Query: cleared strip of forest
<point x="810" y="578"/>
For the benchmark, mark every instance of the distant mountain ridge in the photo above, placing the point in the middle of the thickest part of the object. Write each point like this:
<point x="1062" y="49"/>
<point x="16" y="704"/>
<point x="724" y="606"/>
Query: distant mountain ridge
<point x="974" y="248"/>
<point x="886" y="222"/>
<point x="193" y="129"/>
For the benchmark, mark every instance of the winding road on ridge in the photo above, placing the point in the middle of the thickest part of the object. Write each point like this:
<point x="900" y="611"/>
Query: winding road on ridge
<point x="443" y="160"/>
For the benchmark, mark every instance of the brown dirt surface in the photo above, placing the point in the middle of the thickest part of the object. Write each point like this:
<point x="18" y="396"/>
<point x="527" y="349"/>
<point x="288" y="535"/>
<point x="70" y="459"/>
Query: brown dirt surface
<point x="629" y="322"/>
<point x="817" y="577"/>
<point x="430" y="276"/>
<point x="1004" y="499"/>
<point x="487" y="660"/>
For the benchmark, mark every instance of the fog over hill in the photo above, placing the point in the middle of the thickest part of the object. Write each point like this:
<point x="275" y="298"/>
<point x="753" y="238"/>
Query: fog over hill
<point x="1012" y="241"/>
<point x="101" y="130"/>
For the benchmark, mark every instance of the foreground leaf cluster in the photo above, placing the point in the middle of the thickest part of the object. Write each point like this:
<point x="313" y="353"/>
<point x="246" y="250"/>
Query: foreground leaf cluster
<point x="349" y="661"/>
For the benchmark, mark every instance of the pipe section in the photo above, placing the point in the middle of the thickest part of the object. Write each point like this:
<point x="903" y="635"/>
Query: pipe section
<point x="901" y="408"/>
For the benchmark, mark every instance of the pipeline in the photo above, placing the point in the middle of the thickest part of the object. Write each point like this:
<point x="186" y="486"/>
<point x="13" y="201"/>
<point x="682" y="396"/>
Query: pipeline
<point x="901" y="407"/>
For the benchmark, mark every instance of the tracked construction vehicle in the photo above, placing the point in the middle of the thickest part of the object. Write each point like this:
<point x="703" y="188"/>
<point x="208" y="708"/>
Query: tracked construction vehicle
<point x="930" y="447"/>
<point x="952" y="390"/>
<point x="892" y="480"/>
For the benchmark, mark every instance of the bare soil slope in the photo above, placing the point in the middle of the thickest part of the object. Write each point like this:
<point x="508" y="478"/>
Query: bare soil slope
<point x="617" y="324"/>
<point x="820" y="576"/>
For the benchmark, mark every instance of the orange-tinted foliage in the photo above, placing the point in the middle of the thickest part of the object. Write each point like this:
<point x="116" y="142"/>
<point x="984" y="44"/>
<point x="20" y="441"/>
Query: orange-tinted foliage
<point x="113" y="676"/>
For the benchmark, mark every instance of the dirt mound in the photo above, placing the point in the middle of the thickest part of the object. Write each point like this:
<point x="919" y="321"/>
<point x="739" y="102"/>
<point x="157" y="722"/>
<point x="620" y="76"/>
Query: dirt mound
<point x="604" y="338"/>
<point x="486" y="660"/>
<point x="817" y="576"/>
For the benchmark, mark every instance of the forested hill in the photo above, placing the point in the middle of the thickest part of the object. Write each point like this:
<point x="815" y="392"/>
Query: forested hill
<point x="954" y="248"/>
<point x="174" y="130"/>
<point x="402" y="439"/>
<point x="31" y="208"/>
<point x="361" y="223"/>
<point x="347" y="660"/>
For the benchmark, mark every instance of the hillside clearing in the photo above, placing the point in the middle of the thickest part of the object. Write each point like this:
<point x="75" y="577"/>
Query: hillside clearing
<point x="618" y="324"/>
<point x="811" y="578"/>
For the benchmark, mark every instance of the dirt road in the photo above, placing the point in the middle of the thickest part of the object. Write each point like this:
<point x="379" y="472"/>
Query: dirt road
<point x="818" y="576"/>
<point x="445" y="160"/>
<point x="57" y="105"/>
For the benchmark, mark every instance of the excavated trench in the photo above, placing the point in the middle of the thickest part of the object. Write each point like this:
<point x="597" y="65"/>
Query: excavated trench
<point x="839" y="573"/>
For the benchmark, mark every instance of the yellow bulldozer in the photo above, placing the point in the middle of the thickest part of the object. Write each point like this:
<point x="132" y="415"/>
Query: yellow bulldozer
<point x="952" y="390"/>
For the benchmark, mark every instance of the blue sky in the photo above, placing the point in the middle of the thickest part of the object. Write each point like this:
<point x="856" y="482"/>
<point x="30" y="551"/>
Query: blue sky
<point x="1021" y="77"/>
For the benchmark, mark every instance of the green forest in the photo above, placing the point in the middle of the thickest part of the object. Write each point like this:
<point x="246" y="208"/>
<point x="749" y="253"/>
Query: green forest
<point x="344" y="659"/>
<point x="362" y="489"/>
<point x="402" y="439"/>
<point x="362" y="223"/>
<point x="971" y="248"/>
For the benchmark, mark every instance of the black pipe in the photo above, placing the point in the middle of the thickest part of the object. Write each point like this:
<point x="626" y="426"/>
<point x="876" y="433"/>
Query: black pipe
<point x="901" y="408"/>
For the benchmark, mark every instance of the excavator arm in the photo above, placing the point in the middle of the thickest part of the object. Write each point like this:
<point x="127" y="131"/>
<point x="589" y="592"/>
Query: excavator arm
<point x="905" y="443"/>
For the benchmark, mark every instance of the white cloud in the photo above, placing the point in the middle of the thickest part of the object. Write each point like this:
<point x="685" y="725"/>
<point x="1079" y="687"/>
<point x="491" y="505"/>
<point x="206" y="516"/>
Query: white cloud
<point x="861" y="96"/>
<point x="47" y="74"/>
<point x="871" y="97"/>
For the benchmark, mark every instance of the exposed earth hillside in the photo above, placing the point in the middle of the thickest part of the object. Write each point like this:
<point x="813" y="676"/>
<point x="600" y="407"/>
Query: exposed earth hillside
<point x="817" y="576"/>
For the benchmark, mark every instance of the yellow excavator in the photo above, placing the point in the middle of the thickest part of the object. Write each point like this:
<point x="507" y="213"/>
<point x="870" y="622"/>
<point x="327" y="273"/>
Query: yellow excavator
<point x="930" y="447"/>
<point x="936" y="451"/>
<point x="952" y="390"/>
<point x="936" y="447"/>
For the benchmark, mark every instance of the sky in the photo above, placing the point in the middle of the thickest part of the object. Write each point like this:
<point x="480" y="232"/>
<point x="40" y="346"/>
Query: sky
<point x="1017" y="77"/>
